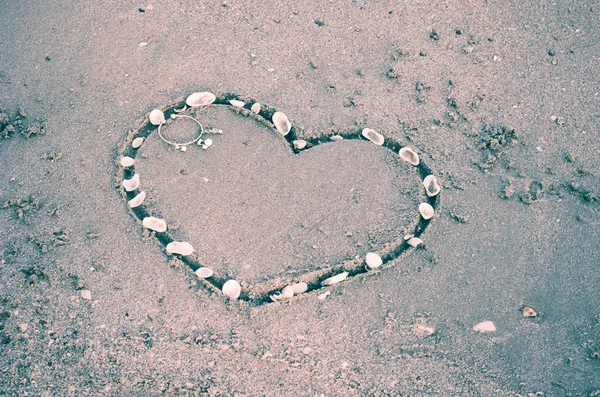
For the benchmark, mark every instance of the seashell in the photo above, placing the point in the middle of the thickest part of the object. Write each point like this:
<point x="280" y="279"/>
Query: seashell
<point x="137" y="200"/>
<point x="156" y="224"/>
<point x="299" y="144"/>
<point x="180" y="247"/>
<point x="373" y="260"/>
<point x="287" y="292"/>
<point x="335" y="279"/>
<point x="282" y="124"/>
<point x="232" y="289"/>
<point x="324" y="295"/>
<point x="408" y="237"/>
<point x="200" y="99"/>
<point x="408" y="155"/>
<point x="137" y="142"/>
<point x="373" y="136"/>
<point x="529" y="312"/>
<point x="256" y="107"/>
<point x="337" y="138"/>
<point x="208" y="142"/>
<point x="131" y="184"/>
<point x="485" y="326"/>
<point x="157" y="117"/>
<point x="237" y="104"/>
<point x="431" y="186"/>
<point x="414" y="242"/>
<point x="204" y="272"/>
<point x="86" y="294"/>
<point x="126" y="161"/>
<point x="299" y="288"/>
<point x="426" y="210"/>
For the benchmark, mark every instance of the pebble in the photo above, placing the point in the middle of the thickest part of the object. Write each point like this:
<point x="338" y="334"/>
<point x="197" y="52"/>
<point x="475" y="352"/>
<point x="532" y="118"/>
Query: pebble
<point x="529" y="312"/>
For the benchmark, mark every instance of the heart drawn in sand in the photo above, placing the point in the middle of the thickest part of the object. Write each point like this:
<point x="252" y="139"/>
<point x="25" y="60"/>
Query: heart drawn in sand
<point x="302" y="209"/>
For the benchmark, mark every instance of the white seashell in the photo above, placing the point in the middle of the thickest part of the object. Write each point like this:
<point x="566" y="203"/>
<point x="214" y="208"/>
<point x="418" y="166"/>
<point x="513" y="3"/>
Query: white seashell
<point x="237" y="104"/>
<point x="180" y="247"/>
<point x="337" y="138"/>
<point x="282" y="124"/>
<point x="324" y="295"/>
<point x="335" y="279"/>
<point x="287" y="292"/>
<point x="204" y="272"/>
<point x="85" y="294"/>
<point x="208" y="143"/>
<point x="137" y="200"/>
<point x="299" y="288"/>
<point x="137" y="142"/>
<point x="126" y="161"/>
<point x="373" y="136"/>
<point x="426" y="210"/>
<point x="156" y="224"/>
<point x="131" y="184"/>
<point x="373" y="260"/>
<point x="256" y="107"/>
<point x="408" y="155"/>
<point x="408" y="237"/>
<point x="414" y="242"/>
<point x="232" y="289"/>
<point x="431" y="185"/>
<point x="485" y="326"/>
<point x="200" y="99"/>
<point x="299" y="144"/>
<point x="157" y="117"/>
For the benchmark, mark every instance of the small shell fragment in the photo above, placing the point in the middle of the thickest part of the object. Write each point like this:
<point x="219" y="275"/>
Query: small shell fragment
<point x="324" y="295"/>
<point x="131" y="184"/>
<point x="256" y="107"/>
<point x="86" y="294"/>
<point x="137" y="142"/>
<point x="126" y="161"/>
<point x="335" y="279"/>
<point x="426" y="210"/>
<point x="232" y="289"/>
<point x="156" y="224"/>
<point x="282" y="123"/>
<point x="204" y="272"/>
<point x="373" y="136"/>
<point x="414" y="242"/>
<point x="299" y="144"/>
<point x="237" y="104"/>
<point x="299" y="288"/>
<point x="180" y="247"/>
<point x="485" y="326"/>
<point x="373" y="260"/>
<point x="431" y="185"/>
<point x="157" y="117"/>
<point x="337" y="138"/>
<point x="137" y="200"/>
<point x="200" y="99"/>
<point x="529" y="312"/>
<point x="408" y="155"/>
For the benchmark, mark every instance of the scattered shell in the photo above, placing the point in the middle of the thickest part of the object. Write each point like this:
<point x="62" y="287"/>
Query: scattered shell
<point x="282" y="124"/>
<point x="157" y="117"/>
<point x="131" y="184"/>
<point x="237" y="104"/>
<point x="126" y="161"/>
<point x="335" y="279"/>
<point x="324" y="295"/>
<point x="204" y="272"/>
<point x="485" y="326"/>
<point x="373" y="260"/>
<point x="426" y="210"/>
<point x="337" y="138"/>
<point x="232" y="289"/>
<point x="180" y="247"/>
<point x="414" y="242"/>
<point x="299" y="144"/>
<point x="408" y="155"/>
<point x="373" y="136"/>
<point x="156" y="224"/>
<point x="431" y="185"/>
<point x="200" y="99"/>
<point x="299" y="288"/>
<point x="137" y="142"/>
<point x="137" y="200"/>
<point x="529" y="312"/>
<point x="256" y="107"/>
<point x="85" y="294"/>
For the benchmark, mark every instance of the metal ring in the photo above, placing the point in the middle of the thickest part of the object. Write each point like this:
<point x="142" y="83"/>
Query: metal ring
<point x="177" y="145"/>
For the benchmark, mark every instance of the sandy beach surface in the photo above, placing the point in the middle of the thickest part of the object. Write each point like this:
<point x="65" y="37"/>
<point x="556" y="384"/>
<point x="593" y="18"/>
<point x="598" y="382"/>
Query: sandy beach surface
<point x="501" y="100"/>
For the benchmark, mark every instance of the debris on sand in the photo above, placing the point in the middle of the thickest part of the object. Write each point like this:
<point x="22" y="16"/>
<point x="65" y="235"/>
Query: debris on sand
<point x="485" y="326"/>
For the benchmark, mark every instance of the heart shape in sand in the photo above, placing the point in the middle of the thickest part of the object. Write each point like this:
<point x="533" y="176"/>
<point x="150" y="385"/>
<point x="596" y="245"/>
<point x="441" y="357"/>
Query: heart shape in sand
<point x="267" y="209"/>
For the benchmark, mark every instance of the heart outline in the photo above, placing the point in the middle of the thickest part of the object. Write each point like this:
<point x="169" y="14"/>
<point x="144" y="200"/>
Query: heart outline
<point x="259" y="294"/>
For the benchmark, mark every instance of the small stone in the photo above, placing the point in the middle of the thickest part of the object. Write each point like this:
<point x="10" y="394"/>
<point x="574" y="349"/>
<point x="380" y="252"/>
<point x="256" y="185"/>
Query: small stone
<point x="86" y="294"/>
<point x="529" y="312"/>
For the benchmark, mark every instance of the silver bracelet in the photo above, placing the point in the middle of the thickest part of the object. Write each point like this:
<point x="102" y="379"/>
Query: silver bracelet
<point x="182" y="146"/>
